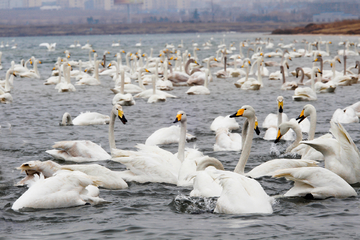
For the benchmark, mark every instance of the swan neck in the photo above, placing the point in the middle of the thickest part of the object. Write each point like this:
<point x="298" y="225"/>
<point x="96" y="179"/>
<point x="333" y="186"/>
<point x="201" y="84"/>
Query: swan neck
<point x="111" y="131"/>
<point x="122" y="83"/>
<point x="312" y="125"/>
<point x="240" y="167"/>
<point x="66" y="119"/>
<point x="187" y="67"/>
<point x="182" y="140"/>
<point x="298" y="137"/>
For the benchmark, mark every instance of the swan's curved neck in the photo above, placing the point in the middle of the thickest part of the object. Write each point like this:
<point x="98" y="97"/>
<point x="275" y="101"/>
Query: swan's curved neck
<point x="240" y="167"/>
<point x="298" y="138"/>
<point x="66" y="119"/>
<point x="187" y="67"/>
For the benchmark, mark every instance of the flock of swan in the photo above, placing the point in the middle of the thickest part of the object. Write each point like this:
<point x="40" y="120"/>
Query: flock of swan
<point x="53" y="185"/>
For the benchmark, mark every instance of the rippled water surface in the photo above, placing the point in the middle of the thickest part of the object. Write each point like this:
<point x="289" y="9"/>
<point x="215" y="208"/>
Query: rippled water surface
<point x="30" y="126"/>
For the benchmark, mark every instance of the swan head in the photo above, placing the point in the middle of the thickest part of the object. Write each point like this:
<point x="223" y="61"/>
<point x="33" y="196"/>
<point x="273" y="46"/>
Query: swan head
<point x="307" y="110"/>
<point x="280" y="100"/>
<point x="256" y="128"/>
<point x="245" y="111"/>
<point x="180" y="117"/>
<point x="284" y="128"/>
<point x="118" y="111"/>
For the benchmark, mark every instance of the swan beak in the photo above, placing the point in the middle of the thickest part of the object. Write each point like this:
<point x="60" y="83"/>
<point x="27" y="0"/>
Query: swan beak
<point x="256" y="128"/>
<point x="249" y="63"/>
<point x="301" y="117"/>
<point x="238" y="113"/>
<point x="31" y="62"/>
<point x="53" y="68"/>
<point x="338" y="60"/>
<point x="278" y="137"/>
<point x="331" y="64"/>
<point x="85" y="70"/>
<point x="178" y="118"/>
<point x="122" y="116"/>
<point x="281" y="107"/>
<point x="93" y="50"/>
<point x="146" y="70"/>
<point x="315" y="60"/>
<point x="40" y="62"/>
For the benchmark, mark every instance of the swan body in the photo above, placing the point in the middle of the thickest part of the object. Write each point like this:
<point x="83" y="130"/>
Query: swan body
<point x="227" y="141"/>
<point x="78" y="151"/>
<point x="341" y="154"/>
<point x="64" y="189"/>
<point x="241" y="195"/>
<point x="346" y="115"/>
<point x="167" y="135"/>
<point x="34" y="73"/>
<point x="104" y="177"/>
<point x="306" y="93"/>
<point x="224" y="122"/>
<point x="84" y="119"/>
<point x="317" y="182"/>
<point x="200" y="90"/>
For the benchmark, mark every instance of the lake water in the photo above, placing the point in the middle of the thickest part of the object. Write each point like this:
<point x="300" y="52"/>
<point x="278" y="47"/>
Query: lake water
<point x="30" y="126"/>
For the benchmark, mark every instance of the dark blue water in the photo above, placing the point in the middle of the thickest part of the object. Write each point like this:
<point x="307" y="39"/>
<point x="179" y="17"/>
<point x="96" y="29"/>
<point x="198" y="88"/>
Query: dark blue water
<point x="30" y="126"/>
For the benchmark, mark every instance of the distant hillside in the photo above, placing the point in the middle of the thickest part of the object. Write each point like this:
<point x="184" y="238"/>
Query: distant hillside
<point x="137" y="28"/>
<point x="344" y="27"/>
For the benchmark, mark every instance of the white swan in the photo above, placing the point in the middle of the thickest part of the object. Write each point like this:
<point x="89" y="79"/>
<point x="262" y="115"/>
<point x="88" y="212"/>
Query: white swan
<point x="241" y="194"/>
<point x="315" y="182"/>
<point x="247" y="83"/>
<point x="84" y="119"/>
<point x="287" y="85"/>
<point x="33" y="73"/>
<point x="5" y="96"/>
<point x="153" y="164"/>
<point x="122" y="98"/>
<point x="65" y="86"/>
<point x="224" y="122"/>
<point x="227" y="141"/>
<point x="341" y="154"/>
<point x="85" y="151"/>
<point x="50" y="46"/>
<point x="104" y="177"/>
<point x="64" y="189"/>
<point x="272" y="122"/>
<point x="346" y="115"/>
<point x="154" y="95"/>
<point x="91" y="80"/>
<point x="306" y="93"/>
<point x="200" y="90"/>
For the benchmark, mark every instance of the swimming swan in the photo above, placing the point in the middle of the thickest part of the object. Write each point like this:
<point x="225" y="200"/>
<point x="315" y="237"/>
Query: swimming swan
<point x="86" y="118"/>
<point x="83" y="150"/>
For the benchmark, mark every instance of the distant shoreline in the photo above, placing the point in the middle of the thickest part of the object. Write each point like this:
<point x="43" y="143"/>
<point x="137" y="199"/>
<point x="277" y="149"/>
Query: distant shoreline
<point x="347" y="27"/>
<point x="137" y="28"/>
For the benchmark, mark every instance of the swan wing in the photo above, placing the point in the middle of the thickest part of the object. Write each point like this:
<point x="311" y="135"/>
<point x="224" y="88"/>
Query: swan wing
<point x="319" y="182"/>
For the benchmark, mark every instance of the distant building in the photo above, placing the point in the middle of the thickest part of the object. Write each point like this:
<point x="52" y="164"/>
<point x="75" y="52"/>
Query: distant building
<point x="333" y="16"/>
